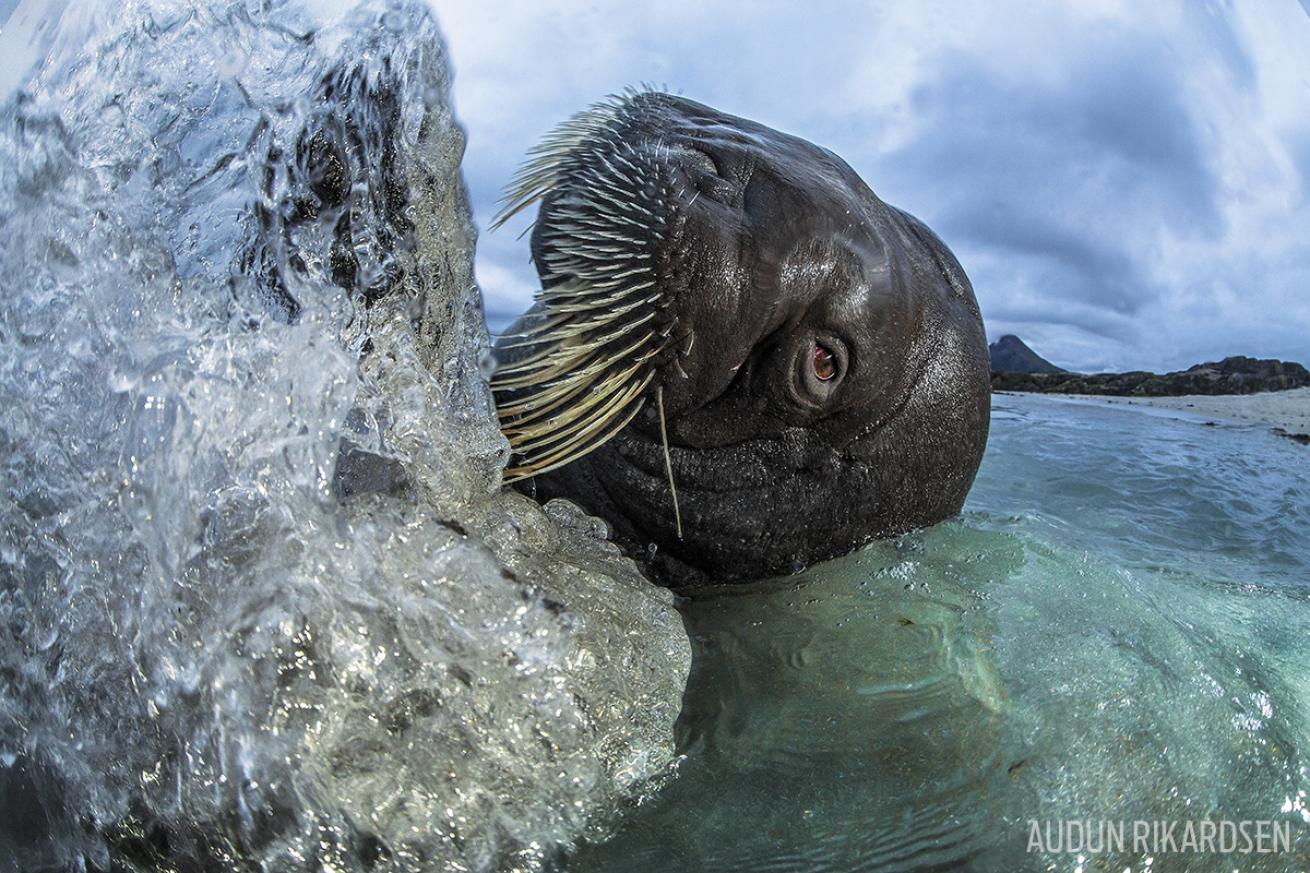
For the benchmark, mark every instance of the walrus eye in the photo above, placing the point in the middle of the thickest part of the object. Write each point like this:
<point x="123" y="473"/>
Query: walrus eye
<point x="825" y="364"/>
<point x="819" y="366"/>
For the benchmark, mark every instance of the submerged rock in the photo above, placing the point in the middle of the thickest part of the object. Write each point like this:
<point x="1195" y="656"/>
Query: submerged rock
<point x="264" y="603"/>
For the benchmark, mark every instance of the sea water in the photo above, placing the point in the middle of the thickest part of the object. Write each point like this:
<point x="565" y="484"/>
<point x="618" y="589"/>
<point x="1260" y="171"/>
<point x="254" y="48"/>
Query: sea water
<point x="1112" y="641"/>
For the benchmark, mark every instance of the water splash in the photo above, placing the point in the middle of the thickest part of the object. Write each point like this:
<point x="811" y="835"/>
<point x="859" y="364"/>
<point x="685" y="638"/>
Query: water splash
<point x="263" y="603"/>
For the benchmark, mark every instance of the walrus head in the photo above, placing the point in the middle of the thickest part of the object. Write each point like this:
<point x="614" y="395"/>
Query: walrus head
<point x="731" y="310"/>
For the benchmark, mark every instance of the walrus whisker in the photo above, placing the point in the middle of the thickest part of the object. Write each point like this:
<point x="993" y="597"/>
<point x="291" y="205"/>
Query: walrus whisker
<point x="528" y="363"/>
<point x="575" y="328"/>
<point x="573" y="422"/>
<point x="563" y="373"/>
<point x="577" y="441"/>
<point x="571" y="359"/>
<point x="532" y="409"/>
<point x="593" y="290"/>
<point x="556" y="281"/>
<point x="518" y="474"/>
<point x="668" y="459"/>
<point x="595" y="298"/>
<point x="549" y="325"/>
<point x="598" y="221"/>
<point x="516" y="420"/>
<point x="614" y="298"/>
<point x="586" y="333"/>
<point x="550" y="158"/>
<point x="579" y="432"/>
<point x="519" y="413"/>
<point x="545" y="397"/>
<point x="588" y="357"/>
<point x="570" y="452"/>
<point x="599" y="262"/>
<point x="535" y="328"/>
<point x="553" y="345"/>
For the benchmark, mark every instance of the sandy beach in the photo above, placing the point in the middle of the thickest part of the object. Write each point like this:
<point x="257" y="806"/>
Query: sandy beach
<point x="1287" y="410"/>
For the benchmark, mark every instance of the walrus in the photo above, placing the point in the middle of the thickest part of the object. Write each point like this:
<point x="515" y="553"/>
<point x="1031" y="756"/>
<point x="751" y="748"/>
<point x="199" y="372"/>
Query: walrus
<point x="740" y="357"/>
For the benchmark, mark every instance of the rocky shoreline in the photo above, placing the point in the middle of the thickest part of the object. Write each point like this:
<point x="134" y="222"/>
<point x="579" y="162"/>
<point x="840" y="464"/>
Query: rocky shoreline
<point x="1233" y="375"/>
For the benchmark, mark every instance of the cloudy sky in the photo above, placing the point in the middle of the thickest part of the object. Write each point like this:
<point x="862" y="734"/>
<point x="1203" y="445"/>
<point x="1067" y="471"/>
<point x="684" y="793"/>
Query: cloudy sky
<point x="1127" y="184"/>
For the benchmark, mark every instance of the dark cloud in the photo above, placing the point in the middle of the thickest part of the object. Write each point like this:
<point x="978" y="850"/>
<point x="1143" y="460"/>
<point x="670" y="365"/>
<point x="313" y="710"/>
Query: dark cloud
<point x="1121" y="183"/>
<point x="1114" y="135"/>
<point x="1057" y="263"/>
<point x="1070" y="180"/>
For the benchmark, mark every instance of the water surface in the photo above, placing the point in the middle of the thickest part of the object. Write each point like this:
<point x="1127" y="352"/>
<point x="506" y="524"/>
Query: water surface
<point x="1115" y="630"/>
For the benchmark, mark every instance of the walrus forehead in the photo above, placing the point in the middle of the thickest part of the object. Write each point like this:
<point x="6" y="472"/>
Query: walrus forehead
<point x="775" y="232"/>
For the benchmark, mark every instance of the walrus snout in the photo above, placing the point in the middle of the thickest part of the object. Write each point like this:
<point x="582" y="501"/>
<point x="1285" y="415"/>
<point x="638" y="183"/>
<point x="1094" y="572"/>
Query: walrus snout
<point x="731" y="309"/>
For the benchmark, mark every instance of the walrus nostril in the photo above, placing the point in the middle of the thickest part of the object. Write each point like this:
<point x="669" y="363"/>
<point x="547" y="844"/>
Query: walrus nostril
<point x="705" y="174"/>
<point x="695" y="159"/>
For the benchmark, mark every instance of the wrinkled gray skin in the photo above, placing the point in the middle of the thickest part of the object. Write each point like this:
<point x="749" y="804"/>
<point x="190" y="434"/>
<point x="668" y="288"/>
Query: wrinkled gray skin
<point x="786" y="246"/>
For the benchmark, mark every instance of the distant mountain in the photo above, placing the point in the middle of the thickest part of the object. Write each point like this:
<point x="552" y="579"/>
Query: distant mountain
<point x="1235" y="375"/>
<point x="1009" y="354"/>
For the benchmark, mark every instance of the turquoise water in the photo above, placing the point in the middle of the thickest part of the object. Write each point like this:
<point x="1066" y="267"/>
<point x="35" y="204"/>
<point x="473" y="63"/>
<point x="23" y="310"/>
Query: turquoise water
<point x="1116" y="630"/>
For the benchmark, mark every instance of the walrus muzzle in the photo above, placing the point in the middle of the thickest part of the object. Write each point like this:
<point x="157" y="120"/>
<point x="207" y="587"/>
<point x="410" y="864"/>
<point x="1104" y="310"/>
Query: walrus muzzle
<point x="730" y="310"/>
